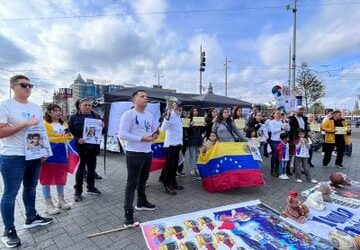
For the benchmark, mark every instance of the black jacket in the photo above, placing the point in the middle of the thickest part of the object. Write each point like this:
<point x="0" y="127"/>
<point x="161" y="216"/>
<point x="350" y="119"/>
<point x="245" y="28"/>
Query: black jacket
<point x="195" y="136"/>
<point x="76" y="127"/>
<point x="294" y="126"/>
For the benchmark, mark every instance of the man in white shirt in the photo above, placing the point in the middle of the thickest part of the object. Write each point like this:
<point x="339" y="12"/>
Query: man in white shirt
<point x="16" y="116"/>
<point x="172" y="126"/>
<point x="137" y="129"/>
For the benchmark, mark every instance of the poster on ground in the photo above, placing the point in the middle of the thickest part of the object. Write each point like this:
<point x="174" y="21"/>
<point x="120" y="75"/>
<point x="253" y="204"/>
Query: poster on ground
<point x="334" y="217"/>
<point x="37" y="143"/>
<point x="247" y="225"/>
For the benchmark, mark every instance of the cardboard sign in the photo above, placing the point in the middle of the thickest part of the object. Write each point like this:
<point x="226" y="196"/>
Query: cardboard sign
<point x="340" y="130"/>
<point x="185" y="122"/>
<point x="199" y="121"/>
<point x="315" y="127"/>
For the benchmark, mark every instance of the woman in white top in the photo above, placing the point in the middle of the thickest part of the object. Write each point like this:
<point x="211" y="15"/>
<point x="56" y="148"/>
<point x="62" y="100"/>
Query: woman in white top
<point x="276" y="127"/>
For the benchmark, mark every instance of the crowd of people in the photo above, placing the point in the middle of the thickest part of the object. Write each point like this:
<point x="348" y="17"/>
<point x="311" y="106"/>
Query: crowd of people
<point x="290" y="140"/>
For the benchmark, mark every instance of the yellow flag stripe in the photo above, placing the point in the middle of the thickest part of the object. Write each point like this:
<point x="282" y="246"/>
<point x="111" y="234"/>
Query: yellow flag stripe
<point x="221" y="149"/>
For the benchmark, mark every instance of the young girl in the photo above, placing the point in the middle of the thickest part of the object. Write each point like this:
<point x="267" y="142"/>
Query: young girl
<point x="209" y="143"/>
<point x="58" y="134"/>
<point x="302" y="147"/>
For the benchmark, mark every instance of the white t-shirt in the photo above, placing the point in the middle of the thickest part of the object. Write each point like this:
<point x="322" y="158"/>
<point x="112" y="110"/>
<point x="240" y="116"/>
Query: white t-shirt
<point x="276" y="128"/>
<point x="12" y="113"/>
<point x="133" y="126"/>
<point x="58" y="128"/>
<point x="173" y="129"/>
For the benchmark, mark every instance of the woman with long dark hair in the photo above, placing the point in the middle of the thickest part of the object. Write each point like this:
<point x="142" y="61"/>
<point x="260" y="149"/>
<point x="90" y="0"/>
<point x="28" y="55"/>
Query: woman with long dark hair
<point x="194" y="142"/>
<point x="238" y="118"/>
<point x="225" y="128"/>
<point x="209" y="121"/>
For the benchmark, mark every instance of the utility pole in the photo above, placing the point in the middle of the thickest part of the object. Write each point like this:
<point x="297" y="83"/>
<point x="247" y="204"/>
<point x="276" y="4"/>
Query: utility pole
<point x="158" y="79"/>
<point x="202" y="66"/>
<point x="289" y="81"/>
<point x="293" y="66"/>
<point x="226" y="69"/>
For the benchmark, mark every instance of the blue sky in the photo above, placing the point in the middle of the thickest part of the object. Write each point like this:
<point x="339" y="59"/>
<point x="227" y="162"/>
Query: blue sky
<point x="159" y="36"/>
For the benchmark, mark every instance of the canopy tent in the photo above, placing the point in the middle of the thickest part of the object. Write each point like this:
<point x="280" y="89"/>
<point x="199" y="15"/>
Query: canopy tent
<point x="158" y="95"/>
<point x="213" y="100"/>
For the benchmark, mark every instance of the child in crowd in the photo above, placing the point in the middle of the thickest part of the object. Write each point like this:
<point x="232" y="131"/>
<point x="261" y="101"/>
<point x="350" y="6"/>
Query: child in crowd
<point x="302" y="147"/>
<point x="209" y="143"/>
<point x="283" y="155"/>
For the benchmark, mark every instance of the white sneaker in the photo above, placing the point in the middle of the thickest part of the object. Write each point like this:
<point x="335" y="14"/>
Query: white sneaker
<point x="50" y="208"/>
<point x="285" y="177"/>
<point x="314" y="181"/>
<point x="281" y="177"/>
<point x="193" y="172"/>
<point x="299" y="180"/>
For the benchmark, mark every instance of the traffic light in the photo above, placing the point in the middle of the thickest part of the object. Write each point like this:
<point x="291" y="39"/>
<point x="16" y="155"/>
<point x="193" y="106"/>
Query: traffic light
<point x="202" y="61"/>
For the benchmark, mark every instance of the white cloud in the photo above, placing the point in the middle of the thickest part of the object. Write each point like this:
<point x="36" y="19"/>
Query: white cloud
<point x="133" y="48"/>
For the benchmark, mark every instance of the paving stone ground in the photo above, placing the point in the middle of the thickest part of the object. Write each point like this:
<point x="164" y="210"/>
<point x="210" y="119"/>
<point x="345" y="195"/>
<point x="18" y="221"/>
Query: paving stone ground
<point x="94" y="214"/>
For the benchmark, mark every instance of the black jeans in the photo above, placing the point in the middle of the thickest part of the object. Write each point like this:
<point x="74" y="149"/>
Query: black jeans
<point x="88" y="159"/>
<point x="329" y="148"/>
<point x="172" y="161"/>
<point x="138" y="166"/>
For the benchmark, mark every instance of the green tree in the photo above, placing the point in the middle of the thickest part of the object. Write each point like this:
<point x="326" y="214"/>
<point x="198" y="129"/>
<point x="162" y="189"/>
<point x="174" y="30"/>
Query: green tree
<point x="309" y="86"/>
<point x="317" y="108"/>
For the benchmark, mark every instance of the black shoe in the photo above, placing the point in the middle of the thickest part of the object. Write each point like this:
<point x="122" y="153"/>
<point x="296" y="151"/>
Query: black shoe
<point x="93" y="191"/>
<point x="274" y="174"/>
<point x="339" y="166"/>
<point x="145" y="206"/>
<point x="129" y="219"/>
<point x="10" y="239"/>
<point x="38" y="221"/>
<point x="170" y="191"/>
<point x="78" y="197"/>
<point x="98" y="177"/>
<point x="180" y="174"/>
<point x="311" y="165"/>
<point x="178" y="187"/>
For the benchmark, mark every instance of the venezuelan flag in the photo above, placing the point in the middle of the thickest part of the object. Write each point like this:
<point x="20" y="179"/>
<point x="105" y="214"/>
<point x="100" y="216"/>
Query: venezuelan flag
<point x="158" y="153"/>
<point x="65" y="158"/>
<point x="229" y="165"/>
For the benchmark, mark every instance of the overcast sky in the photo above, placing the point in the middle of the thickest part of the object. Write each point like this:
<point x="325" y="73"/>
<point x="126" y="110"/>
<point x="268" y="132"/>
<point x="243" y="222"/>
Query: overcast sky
<point x="131" y="41"/>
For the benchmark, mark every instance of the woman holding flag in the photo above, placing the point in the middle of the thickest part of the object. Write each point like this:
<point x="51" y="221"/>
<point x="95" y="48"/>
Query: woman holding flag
<point x="54" y="170"/>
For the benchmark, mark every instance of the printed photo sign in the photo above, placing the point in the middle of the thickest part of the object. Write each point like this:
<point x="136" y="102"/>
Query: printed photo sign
<point x="37" y="143"/>
<point x="92" y="131"/>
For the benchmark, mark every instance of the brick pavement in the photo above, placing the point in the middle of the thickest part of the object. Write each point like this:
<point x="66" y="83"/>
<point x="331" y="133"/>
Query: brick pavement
<point x="105" y="212"/>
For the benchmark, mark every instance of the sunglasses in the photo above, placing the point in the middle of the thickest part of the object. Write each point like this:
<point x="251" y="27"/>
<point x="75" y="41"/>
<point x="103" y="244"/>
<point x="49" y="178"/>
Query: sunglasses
<point x="25" y="85"/>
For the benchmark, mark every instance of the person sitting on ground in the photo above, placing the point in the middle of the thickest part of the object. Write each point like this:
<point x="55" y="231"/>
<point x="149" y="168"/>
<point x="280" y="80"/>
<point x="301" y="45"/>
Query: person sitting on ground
<point x="209" y="143"/>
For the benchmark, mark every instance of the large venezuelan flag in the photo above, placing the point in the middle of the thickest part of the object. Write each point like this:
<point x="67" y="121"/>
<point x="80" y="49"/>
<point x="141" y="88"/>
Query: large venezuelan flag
<point x="158" y="153"/>
<point x="229" y="165"/>
<point x="65" y="160"/>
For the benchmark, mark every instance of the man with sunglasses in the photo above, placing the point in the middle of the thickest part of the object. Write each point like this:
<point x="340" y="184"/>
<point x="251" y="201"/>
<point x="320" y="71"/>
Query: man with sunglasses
<point x="16" y="115"/>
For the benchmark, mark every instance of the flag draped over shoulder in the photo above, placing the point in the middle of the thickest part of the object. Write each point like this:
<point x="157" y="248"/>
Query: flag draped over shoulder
<point x="64" y="160"/>
<point x="158" y="153"/>
<point x="229" y="165"/>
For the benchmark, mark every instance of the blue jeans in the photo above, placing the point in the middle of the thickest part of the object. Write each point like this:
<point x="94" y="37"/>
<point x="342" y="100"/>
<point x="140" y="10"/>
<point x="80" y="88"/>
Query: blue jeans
<point x="15" y="169"/>
<point x="193" y="156"/>
<point x="46" y="191"/>
<point x="282" y="167"/>
<point x="274" y="158"/>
